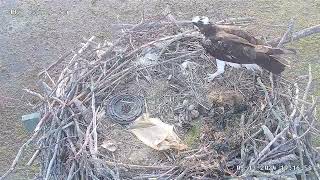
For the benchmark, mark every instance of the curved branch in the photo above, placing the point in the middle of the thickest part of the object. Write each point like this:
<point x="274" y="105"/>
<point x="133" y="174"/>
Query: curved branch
<point x="297" y="35"/>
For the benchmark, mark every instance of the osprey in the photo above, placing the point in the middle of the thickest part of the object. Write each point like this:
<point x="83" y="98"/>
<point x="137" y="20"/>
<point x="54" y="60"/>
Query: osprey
<point x="237" y="48"/>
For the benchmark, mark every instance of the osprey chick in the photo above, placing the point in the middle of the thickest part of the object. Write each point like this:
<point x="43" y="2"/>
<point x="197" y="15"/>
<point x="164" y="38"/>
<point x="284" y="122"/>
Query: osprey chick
<point x="237" y="48"/>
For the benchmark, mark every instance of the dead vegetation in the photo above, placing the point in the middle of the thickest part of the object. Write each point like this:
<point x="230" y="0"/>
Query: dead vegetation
<point x="249" y="126"/>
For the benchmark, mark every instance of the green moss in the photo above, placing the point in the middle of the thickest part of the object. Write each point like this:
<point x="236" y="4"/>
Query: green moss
<point x="192" y="136"/>
<point x="315" y="141"/>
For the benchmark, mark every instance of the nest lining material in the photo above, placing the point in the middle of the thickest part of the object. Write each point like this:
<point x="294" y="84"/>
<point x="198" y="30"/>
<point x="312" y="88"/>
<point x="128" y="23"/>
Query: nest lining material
<point x="273" y="130"/>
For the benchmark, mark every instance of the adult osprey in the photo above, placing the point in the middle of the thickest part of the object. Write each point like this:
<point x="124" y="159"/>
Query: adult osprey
<point x="237" y="48"/>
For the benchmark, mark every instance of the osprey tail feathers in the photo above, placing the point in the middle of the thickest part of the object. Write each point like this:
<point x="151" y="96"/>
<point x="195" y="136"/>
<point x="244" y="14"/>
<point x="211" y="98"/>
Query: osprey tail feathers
<point x="269" y="63"/>
<point x="274" y="51"/>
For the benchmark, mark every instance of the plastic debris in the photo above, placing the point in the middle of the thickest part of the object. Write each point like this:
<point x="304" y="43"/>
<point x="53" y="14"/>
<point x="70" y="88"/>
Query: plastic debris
<point x="156" y="134"/>
<point x="30" y="121"/>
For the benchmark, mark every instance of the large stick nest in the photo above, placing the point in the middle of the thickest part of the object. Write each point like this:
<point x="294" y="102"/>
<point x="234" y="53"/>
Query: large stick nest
<point x="243" y="124"/>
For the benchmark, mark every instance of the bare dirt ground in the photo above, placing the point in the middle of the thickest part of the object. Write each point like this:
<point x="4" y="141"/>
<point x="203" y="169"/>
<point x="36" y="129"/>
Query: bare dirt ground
<point x="42" y="31"/>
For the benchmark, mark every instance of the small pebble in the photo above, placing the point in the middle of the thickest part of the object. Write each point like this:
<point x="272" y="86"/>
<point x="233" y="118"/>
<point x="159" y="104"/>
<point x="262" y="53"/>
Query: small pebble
<point x="191" y="107"/>
<point x="194" y="113"/>
<point x="185" y="103"/>
<point x="110" y="146"/>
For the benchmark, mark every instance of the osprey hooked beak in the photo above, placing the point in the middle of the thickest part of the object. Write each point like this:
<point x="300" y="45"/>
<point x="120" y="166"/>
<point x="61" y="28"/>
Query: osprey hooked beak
<point x="199" y="21"/>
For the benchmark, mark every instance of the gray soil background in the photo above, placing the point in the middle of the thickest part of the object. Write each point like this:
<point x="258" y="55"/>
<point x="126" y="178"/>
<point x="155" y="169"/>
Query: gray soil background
<point x="41" y="31"/>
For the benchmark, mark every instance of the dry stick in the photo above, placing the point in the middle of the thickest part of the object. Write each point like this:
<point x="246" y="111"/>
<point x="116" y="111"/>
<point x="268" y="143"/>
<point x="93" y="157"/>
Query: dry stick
<point x="181" y="23"/>
<point x="300" y="153"/>
<point x="169" y="60"/>
<point x="57" y="135"/>
<point x="168" y="44"/>
<point x="269" y="145"/>
<point x="272" y="85"/>
<point x="73" y="148"/>
<point x="166" y="173"/>
<point x="54" y="155"/>
<point x="94" y="121"/>
<point x="286" y="34"/>
<point x="71" y="170"/>
<point x="86" y="141"/>
<point x="276" y="148"/>
<point x="55" y="63"/>
<point x="182" y="174"/>
<point x="290" y="28"/>
<point x="305" y="95"/>
<point x="151" y="24"/>
<point x="276" y="115"/>
<point x="80" y="51"/>
<point x="35" y="94"/>
<point x="295" y="98"/>
<point x="88" y="73"/>
<point x="133" y="166"/>
<point x="147" y="176"/>
<point x="242" y="151"/>
<point x="311" y="162"/>
<point x="44" y="87"/>
<point x="33" y="157"/>
<point x="48" y="140"/>
<point x="121" y="38"/>
<point x="252" y="136"/>
<point x="267" y="132"/>
<point x="297" y="122"/>
<point x="263" y="174"/>
<point x="111" y="91"/>
<point x="297" y="35"/>
<point x="91" y="145"/>
<point x="281" y="160"/>
<point x="108" y="80"/>
<point x="295" y="102"/>
<point x="198" y="156"/>
<point x="308" y="114"/>
<point x="42" y="120"/>
<point x="113" y="74"/>
<point x="22" y="148"/>
<point x="50" y="78"/>
<point x="108" y="84"/>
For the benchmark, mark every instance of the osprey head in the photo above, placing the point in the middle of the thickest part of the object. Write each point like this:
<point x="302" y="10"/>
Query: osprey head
<point x="199" y="21"/>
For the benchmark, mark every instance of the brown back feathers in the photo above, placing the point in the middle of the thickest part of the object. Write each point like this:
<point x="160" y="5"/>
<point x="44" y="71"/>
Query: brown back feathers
<point x="237" y="46"/>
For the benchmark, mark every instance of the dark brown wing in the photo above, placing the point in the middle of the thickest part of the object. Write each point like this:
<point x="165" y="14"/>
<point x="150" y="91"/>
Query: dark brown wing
<point x="251" y="39"/>
<point x="269" y="63"/>
<point x="230" y="48"/>
<point x="242" y="53"/>
<point x="226" y="37"/>
<point x="241" y="33"/>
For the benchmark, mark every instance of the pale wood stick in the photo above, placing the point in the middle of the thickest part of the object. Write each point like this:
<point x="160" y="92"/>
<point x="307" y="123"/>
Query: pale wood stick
<point x="34" y="156"/>
<point x="269" y="145"/>
<point x="297" y="35"/>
